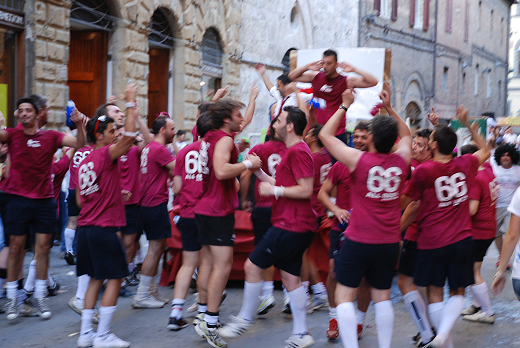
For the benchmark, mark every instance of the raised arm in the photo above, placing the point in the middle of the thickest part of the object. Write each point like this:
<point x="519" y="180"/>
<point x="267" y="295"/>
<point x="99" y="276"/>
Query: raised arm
<point x="250" y="111"/>
<point x="404" y="148"/>
<point x="346" y="155"/>
<point x="220" y="93"/>
<point x="260" y="69"/>
<point x="123" y="145"/>
<point x="483" y="153"/>
<point x="365" y="79"/>
<point x="222" y="155"/>
<point x="302" y="73"/>
<point x="79" y="142"/>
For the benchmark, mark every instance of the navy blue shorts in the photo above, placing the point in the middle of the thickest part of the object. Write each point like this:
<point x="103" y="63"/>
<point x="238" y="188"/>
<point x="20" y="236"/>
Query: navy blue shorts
<point x="407" y="258"/>
<point x="216" y="230"/>
<point x="73" y="208"/>
<point x="156" y="222"/>
<point x="100" y="253"/>
<point x="25" y="215"/>
<point x="453" y="261"/>
<point x="282" y="249"/>
<point x="480" y="247"/>
<point x="336" y="238"/>
<point x="133" y="219"/>
<point x="189" y="235"/>
<point x="376" y="262"/>
<point x="261" y="218"/>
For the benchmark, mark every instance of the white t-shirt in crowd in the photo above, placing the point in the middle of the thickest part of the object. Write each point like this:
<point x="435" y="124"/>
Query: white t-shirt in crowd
<point x="510" y="138"/>
<point x="508" y="181"/>
<point x="514" y="208"/>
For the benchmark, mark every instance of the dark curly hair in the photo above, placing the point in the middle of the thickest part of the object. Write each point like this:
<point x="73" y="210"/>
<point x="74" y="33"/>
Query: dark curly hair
<point x="507" y="148"/>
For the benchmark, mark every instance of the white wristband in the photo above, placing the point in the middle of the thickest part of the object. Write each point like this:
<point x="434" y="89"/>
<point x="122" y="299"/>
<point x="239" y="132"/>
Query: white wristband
<point x="278" y="191"/>
<point x="130" y="134"/>
<point x="248" y="164"/>
<point x="130" y="105"/>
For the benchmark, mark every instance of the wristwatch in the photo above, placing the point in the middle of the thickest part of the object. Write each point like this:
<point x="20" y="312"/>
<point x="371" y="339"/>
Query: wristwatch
<point x="343" y="107"/>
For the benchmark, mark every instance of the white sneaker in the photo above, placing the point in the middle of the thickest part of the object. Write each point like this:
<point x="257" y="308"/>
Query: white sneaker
<point x="76" y="305"/>
<point x="470" y="310"/>
<point x="147" y="302"/>
<point x="86" y="340"/>
<point x="195" y="305"/>
<point x="299" y="342"/>
<point x="481" y="317"/>
<point x="235" y="328"/>
<point x="154" y="292"/>
<point x="43" y="309"/>
<point x="316" y="303"/>
<point x="110" y="340"/>
<point x="198" y="319"/>
<point x="266" y="305"/>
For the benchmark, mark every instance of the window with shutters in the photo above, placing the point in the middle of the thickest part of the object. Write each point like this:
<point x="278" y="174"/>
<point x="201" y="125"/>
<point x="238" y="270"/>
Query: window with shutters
<point x="386" y="9"/>
<point x="479" y="14"/>
<point x="488" y="85"/>
<point x="445" y="79"/>
<point x="475" y="89"/>
<point x="449" y="15"/>
<point x="466" y="22"/>
<point x="419" y="14"/>
<point x="491" y="23"/>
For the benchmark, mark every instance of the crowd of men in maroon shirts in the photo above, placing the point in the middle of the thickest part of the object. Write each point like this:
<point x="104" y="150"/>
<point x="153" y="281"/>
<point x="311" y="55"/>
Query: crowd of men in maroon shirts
<point x="389" y="182"/>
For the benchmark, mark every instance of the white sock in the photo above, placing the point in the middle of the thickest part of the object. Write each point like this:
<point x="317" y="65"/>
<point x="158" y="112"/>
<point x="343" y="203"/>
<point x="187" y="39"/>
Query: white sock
<point x="481" y="294"/>
<point x="40" y="288"/>
<point x="177" y="306"/>
<point x="333" y="313"/>
<point x="202" y="308"/>
<point x="384" y="323"/>
<point x="50" y="279"/>
<point x="267" y="289"/>
<point x="417" y="309"/>
<point x="347" y="324"/>
<point x="360" y="316"/>
<point x="83" y="282"/>
<point x="86" y="320"/>
<point x="284" y="290"/>
<point x="450" y="314"/>
<point x="319" y="289"/>
<point x="297" y="300"/>
<point x="306" y="286"/>
<point x="105" y="318"/>
<point x="69" y="239"/>
<point x="10" y="289"/>
<point x="435" y="313"/>
<point x="252" y="292"/>
<point x="31" y="277"/>
<point x="144" y="286"/>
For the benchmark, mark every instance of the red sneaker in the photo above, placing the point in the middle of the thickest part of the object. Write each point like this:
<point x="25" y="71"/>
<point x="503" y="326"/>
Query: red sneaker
<point x="333" y="331"/>
<point x="359" y="330"/>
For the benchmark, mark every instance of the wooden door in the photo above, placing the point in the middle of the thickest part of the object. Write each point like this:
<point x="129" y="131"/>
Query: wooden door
<point x="87" y="70"/>
<point x="158" y="83"/>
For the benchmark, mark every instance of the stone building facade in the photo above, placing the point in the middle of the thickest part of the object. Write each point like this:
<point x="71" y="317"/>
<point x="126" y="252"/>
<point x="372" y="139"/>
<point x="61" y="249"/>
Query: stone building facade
<point x="445" y="52"/>
<point x="513" y="88"/>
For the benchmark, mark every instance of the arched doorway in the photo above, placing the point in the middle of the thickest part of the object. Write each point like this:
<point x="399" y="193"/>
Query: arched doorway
<point x="211" y="63"/>
<point x="160" y="79"/>
<point x="413" y="115"/>
<point x="91" y="21"/>
<point x="286" y="60"/>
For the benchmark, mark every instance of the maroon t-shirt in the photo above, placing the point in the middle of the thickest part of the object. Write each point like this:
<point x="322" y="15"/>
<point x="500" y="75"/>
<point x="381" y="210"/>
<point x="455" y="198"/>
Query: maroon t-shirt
<point x="220" y="197"/>
<point x="339" y="176"/>
<point x="74" y="165"/>
<point x="485" y="190"/>
<point x="129" y="174"/>
<point x="270" y="153"/>
<point x="327" y="93"/>
<point x="191" y="170"/>
<point x="295" y="215"/>
<point x="59" y="170"/>
<point x="154" y="176"/>
<point x="411" y="232"/>
<point x="31" y="162"/>
<point x="100" y="191"/>
<point x="375" y="194"/>
<point x="322" y="165"/>
<point x="443" y="188"/>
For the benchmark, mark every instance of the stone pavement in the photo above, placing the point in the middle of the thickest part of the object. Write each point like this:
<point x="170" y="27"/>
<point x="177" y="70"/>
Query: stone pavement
<point x="147" y="328"/>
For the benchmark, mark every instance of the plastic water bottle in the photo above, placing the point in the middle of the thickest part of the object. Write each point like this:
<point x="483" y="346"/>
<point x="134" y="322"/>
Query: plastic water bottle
<point x="70" y="107"/>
